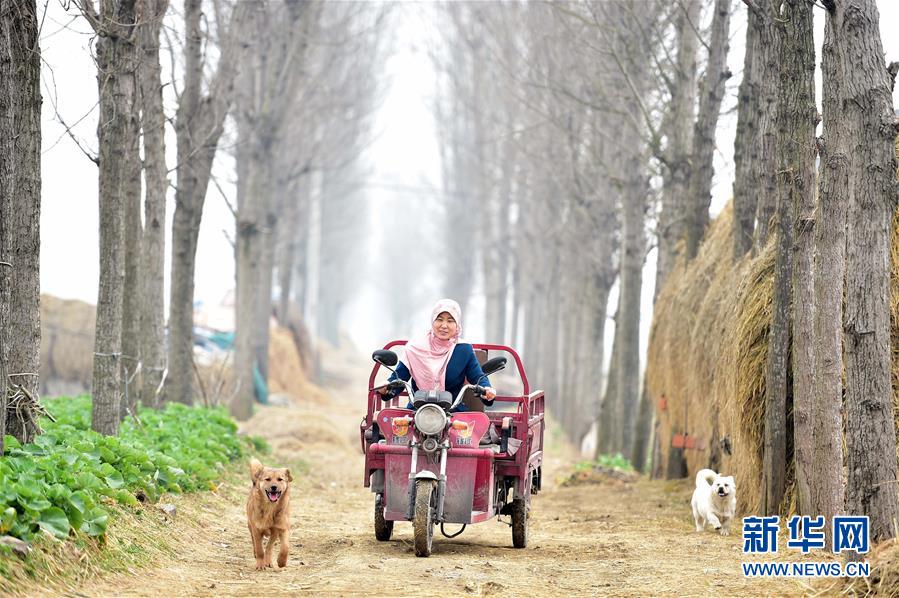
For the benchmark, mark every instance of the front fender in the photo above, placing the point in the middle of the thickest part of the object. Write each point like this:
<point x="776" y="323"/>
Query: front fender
<point x="426" y="475"/>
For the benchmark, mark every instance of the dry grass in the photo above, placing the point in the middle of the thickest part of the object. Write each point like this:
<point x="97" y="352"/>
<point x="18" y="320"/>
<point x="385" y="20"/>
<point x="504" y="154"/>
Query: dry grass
<point x="137" y="537"/>
<point x="884" y="578"/>
<point x="287" y="374"/>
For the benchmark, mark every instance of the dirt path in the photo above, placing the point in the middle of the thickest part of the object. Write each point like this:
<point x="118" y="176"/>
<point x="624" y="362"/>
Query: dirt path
<point x="620" y="539"/>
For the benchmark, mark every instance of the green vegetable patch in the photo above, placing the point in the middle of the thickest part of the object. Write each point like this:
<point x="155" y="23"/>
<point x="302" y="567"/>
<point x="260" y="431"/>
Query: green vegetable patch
<point x="70" y="479"/>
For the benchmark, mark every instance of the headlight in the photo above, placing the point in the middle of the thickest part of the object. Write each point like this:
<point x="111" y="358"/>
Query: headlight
<point x="430" y="419"/>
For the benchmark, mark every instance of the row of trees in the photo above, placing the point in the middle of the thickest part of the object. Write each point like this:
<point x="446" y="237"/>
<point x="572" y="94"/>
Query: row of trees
<point x="574" y="129"/>
<point x="577" y="128"/>
<point x="283" y="81"/>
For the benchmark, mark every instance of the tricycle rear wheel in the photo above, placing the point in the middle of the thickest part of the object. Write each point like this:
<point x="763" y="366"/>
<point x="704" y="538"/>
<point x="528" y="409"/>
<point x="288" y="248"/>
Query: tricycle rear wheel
<point x="520" y="509"/>
<point x="423" y="517"/>
<point x="383" y="528"/>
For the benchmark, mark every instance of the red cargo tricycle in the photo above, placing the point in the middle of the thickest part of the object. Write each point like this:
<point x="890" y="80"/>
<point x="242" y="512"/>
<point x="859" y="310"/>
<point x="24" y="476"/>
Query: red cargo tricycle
<point x="432" y="466"/>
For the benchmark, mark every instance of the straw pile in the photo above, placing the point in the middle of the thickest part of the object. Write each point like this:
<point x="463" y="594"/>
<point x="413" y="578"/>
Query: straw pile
<point x="67" y="345"/>
<point x="287" y="374"/>
<point x="708" y="354"/>
<point x="67" y="341"/>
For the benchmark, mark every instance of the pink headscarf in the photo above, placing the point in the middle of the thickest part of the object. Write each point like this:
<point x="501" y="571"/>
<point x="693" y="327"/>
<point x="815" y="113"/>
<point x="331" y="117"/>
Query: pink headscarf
<point x="427" y="356"/>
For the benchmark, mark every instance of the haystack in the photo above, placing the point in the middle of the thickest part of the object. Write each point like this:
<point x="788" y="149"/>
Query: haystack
<point x="707" y="357"/>
<point x="287" y="374"/>
<point x="67" y="342"/>
<point x="67" y="345"/>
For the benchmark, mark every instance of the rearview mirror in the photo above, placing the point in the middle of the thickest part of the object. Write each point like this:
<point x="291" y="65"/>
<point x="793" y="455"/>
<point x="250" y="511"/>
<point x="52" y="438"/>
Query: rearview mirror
<point x="493" y="365"/>
<point x="385" y="357"/>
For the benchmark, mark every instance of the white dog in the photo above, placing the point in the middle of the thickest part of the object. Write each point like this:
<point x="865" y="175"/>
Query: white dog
<point x="714" y="501"/>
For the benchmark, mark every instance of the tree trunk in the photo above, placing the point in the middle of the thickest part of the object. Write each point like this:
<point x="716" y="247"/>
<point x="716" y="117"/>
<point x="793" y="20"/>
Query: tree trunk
<point x="776" y="381"/>
<point x="20" y="206"/>
<point x="608" y="423"/>
<point x="116" y="69"/>
<point x="4" y="323"/>
<point x="185" y="232"/>
<point x="299" y="282"/>
<point x="571" y="323"/>
<point x="633" y="249"/>
<point x="711" y="94"/>
<point x="593" y="355"/>
<point x="152" y="322"/>
<point x="643" y="431"/>
<point x="292" y="237"/>
<point x="131" y="296"/>
<point x="248" y="258"/>
<point x="334" y="214"/>
<point x="675" y="189"/>
<point x="747" y="140"/>
<point x="247" y="249"/>
<point x="765" y="167"/>
<point x="263" y="302"/>
<point x="797" y="186"/>
<point x="868" y="110"/>
<point x="826" y="476"/>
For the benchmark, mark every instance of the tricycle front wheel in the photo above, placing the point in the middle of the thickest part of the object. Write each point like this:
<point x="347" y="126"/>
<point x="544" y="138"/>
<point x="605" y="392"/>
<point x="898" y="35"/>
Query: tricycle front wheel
<point x="520" y="509"/>
<point x="383" y="528"/>
<point x="423" y="517"/>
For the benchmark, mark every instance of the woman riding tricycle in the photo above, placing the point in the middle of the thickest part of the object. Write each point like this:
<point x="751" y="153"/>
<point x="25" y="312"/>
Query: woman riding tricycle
<point x="442" y="458"/>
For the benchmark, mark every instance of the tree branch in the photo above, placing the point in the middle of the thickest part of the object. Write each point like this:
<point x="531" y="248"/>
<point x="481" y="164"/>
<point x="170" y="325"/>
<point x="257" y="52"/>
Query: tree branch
<point x="90" y="13"/>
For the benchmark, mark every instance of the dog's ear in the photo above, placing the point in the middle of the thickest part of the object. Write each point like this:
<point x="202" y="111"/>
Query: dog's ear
<point x="255" y="469"/>
<point x="287" y="473"/>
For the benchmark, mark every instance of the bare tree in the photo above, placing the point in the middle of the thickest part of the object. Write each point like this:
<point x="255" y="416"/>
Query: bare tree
<point x="199" y="123"/>
<point x="865" y="98"/>
<point x="826" y="475"/>
<point x="711" y="94"/>
<point x="796" y="185"/>
<point x="747" y="139"/>
<point x="764" y="176"/>
<point x="775" y="435"/>
<point x="118" y="131"/>
<point x="680" y="141"/>
<point x="152" y="292"/>
<point x="20" y="206"/>
<point x="131" y="233"/>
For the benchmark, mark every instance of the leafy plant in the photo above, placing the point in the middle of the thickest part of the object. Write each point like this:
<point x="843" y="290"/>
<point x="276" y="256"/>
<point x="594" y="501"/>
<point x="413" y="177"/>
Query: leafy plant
<point x="67" y="478"/>
<point x="616" y="461"/>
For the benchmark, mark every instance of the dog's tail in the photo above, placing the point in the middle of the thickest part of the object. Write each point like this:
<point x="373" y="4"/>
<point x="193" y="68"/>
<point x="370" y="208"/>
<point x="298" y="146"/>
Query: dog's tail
<point x="705" y="477"/>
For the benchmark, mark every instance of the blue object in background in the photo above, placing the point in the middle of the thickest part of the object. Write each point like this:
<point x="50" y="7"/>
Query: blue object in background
<point x="259" y="385"/>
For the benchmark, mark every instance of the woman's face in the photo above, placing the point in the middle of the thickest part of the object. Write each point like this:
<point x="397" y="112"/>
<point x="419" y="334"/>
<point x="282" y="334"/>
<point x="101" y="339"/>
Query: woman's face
<point x="445" y="326"/>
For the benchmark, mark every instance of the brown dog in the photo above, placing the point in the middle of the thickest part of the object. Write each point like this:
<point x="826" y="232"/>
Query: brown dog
<point x="268" y="512"/>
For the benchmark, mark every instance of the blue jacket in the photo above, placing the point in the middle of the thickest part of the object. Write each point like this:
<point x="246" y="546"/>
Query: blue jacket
<point x="463" y="365"/>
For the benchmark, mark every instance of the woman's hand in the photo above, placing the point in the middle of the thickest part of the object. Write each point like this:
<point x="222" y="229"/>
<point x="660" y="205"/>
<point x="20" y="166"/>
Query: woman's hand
<point x="384" y="391"/>
<point x="489" y="393"/>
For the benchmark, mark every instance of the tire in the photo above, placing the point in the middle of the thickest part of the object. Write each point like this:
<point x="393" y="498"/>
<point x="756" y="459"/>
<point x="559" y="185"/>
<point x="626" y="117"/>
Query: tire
<point x="383" y="528"/>
<point x="520" y="508"/>
<point x="423" y="517"/>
